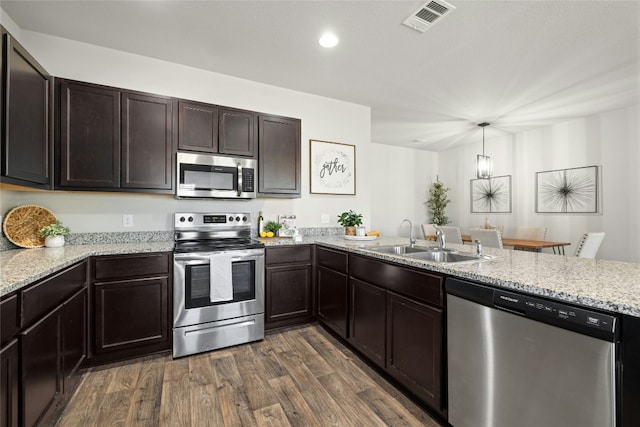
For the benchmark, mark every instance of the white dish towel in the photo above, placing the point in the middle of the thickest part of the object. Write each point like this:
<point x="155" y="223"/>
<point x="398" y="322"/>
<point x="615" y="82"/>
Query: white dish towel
<point x="220" y="280"/>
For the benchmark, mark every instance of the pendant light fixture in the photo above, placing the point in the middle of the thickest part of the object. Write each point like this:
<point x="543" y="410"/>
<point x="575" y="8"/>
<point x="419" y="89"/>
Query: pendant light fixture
<point x="483" y="163"/>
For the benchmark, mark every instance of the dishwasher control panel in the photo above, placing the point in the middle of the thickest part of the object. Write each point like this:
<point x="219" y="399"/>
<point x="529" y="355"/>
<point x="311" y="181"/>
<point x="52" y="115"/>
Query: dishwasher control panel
<point x="559" y="314"/>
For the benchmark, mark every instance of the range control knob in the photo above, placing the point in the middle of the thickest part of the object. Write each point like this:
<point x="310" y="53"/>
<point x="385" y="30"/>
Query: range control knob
<point x="238" y="218"/>
<point x="231" y="219"/>
<point x="182" y="219"/>
<point x="190" y="219"/>
<point x="244" y="218"/>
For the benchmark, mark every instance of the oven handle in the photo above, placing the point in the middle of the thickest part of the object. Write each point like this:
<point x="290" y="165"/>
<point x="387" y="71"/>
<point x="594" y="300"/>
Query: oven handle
<point x="190" y="258"/>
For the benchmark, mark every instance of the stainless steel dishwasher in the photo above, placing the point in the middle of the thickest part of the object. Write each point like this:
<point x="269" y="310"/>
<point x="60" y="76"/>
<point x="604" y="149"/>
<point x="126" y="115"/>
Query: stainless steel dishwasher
<point x="521" y="361"/>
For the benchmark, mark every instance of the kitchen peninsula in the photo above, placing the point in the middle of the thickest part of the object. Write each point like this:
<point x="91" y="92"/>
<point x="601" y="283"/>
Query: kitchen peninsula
<point x="608" y="286"/>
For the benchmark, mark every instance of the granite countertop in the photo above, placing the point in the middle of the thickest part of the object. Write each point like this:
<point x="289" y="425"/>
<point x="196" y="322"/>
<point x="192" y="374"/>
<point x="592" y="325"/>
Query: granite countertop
<point x="602" y="284"/>
<point x="20" y="267"/>
<point x="607" y="285"/>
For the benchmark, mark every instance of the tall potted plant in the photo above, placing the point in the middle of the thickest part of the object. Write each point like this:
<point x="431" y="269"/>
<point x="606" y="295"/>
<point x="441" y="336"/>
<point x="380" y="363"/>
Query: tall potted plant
<point x="438" y="202"/>
<point x="350" y="220"/>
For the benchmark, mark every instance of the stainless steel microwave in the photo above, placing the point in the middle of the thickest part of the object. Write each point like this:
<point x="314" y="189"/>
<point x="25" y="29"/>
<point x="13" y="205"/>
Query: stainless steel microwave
<point x="205" y="176"/>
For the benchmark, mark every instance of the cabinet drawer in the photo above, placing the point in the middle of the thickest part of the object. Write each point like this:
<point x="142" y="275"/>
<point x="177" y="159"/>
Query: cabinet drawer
<point x="47" y="294"/>
<point x="9" y="318"/>
<point x="122" y="266"/>
<point x="333" y="259"/>
<point x="412" y="283"/>
<point x="288" y="254"/>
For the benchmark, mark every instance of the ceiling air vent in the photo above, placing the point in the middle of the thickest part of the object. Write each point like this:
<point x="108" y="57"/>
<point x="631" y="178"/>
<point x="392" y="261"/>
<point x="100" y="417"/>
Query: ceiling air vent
<point x="427" y="15"/>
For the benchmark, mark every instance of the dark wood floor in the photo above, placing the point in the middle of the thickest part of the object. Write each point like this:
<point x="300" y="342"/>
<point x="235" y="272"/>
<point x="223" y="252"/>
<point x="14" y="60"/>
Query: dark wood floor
<point x="298" y="377"/>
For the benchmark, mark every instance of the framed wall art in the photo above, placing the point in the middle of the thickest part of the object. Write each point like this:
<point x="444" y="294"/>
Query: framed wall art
<point x="332" y="167"/>
<point x="491" y="195"/>
<point x="574" y="190"/>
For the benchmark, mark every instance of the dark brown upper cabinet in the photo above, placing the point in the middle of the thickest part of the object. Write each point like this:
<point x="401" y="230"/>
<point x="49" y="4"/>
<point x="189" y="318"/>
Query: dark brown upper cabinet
<point x="146" y="141"/>
<point x="197" y="127"/>
<point x="279" y="155"/>
<point x="26" y="117"/>
<point x="114" y="140"/>
<point x="89" y="136"/>
<point x="236" y="132"/>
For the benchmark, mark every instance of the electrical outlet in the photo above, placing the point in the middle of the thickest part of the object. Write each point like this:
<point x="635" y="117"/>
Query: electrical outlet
<point x="324" y="218"/>
<point x="127" y="220"/>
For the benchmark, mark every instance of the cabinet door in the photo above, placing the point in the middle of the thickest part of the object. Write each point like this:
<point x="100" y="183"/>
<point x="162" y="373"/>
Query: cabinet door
<point x="131" y="314"/>
<point x="333" y="297"/>
<point x="74" y="334"/>
<point x="279" y="157"/>
<point x="9" y="381"/>
<point x="89" y="136"/>
<point x="146" y="142"/>
<point x="40" y="345"/>
<point x="26" y="117"/>
<point x="197" y="127"/>
<point x="368" y="320"/>
<point x="414" y="347"/>
<point x="10" y="318"/>
<point x="288" y="294"/>
<point x="237" y="132"/>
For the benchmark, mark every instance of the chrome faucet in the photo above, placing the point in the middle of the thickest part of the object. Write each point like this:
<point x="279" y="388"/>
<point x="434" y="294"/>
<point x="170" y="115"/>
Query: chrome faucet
<point x="412" y="240"/>
<point x="478" y="247"/>
<point x="442" y="244"/>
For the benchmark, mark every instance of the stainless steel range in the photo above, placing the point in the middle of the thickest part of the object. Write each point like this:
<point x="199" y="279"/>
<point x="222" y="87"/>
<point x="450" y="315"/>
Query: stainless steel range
<point x="218" y="282"/>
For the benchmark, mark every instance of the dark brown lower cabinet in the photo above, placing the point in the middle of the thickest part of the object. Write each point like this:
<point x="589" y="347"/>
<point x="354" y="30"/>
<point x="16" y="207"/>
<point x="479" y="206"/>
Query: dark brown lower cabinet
<point x="131" y="300"/>
<point x="396" y="321"/>
<point x="9" y="385"/>
<point x="368" y="320"/>
<point x="288" y="285"/>
<point x="74" y="334"/>
<point x="41" y="371"/>
<point x="131" y="315"/>
<point x="333" y="299"/>
<point x="289" y="292"/>
<point x="414" y="347"/>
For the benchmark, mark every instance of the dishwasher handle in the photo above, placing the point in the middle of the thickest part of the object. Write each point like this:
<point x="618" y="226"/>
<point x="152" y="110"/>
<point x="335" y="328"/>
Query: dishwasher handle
<point x="470" y="291"/>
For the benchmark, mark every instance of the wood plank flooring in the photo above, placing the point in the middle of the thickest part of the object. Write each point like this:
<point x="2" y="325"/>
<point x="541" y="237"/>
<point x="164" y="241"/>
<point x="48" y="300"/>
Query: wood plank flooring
<point x="297" y="377"/>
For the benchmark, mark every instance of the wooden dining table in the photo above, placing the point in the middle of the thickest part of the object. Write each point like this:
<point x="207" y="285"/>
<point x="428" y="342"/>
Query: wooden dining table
<point x="523" y="244"/>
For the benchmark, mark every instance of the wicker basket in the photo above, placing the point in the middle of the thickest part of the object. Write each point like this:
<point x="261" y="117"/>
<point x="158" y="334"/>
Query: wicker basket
<point x="22" y="225"/>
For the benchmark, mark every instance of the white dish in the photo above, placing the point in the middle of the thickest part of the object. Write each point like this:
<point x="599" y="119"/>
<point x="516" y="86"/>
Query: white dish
<point x="360" y="237"/>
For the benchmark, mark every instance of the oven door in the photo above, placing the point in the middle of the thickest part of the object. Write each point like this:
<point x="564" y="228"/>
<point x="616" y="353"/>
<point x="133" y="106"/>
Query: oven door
<point x="192" y="303"/>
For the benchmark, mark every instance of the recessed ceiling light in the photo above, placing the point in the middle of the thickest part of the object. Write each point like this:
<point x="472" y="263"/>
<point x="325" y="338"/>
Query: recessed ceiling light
<point x="328" y="39"/>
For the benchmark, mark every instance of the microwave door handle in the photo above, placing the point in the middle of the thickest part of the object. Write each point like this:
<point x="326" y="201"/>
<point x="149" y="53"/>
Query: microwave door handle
<point x="239" y="180"/>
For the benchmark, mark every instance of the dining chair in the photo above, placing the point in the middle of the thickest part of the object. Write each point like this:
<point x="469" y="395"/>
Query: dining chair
<point x="531" y="233"/>
<point x="451" y="234"/>
<point x="589" y="244"/>
<point x="489" y="238"/>
<point x="428" y="231"/>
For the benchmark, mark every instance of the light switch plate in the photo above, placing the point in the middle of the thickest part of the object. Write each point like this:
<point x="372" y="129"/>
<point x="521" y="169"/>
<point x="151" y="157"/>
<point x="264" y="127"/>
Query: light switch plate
<point x="324" y="218"/>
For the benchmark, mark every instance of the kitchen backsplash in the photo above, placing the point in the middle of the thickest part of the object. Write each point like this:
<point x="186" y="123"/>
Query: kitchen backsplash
<point x="152" y="236"/>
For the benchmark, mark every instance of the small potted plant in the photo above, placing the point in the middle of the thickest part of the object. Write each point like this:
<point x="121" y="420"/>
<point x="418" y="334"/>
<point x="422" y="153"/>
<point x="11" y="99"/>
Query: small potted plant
<point x="54" y="234"/>
<point x="271" y="229"/>
<point x="350" y="220"/>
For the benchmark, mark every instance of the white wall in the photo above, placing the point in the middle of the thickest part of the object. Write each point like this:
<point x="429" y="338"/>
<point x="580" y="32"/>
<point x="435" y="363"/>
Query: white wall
<point x="609" y="140"/>
<point x="400" y="183"/>
<point x="322" y="118"/>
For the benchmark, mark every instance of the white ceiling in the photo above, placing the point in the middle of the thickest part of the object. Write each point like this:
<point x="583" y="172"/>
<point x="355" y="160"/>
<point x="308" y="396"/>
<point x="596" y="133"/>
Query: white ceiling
<point x="516" y="64"/>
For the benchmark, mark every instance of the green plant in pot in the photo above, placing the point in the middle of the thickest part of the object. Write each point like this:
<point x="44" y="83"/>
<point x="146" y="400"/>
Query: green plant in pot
<point x="350" y="220"/>
<point x="437" y="203"/>
<point x="54" y="234"/>
<point x="272" y="227"/>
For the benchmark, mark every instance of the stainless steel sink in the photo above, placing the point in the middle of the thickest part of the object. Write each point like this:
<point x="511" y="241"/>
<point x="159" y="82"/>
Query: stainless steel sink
<point x="400" y="249"/>
<point x="446" y="256"/>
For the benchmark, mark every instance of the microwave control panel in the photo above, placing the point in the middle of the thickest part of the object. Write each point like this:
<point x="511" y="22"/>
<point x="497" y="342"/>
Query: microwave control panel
<point x="248" y="180"/>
